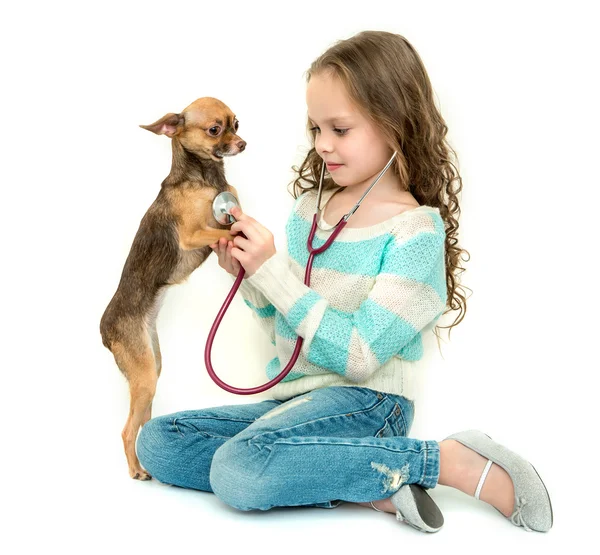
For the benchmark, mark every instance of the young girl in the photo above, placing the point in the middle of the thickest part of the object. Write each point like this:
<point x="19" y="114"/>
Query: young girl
<point x="336" y="429"/>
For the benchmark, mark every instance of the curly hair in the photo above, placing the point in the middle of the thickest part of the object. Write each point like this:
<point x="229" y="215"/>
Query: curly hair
<point x="384" y="75"/>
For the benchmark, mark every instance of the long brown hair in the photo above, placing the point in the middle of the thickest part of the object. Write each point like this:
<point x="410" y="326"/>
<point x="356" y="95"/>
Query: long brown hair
<point x="384" y="76"/>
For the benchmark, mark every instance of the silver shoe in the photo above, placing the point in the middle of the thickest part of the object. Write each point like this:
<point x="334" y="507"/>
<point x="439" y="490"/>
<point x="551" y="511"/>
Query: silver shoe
<point x="532" y="509"/>
<point x="416" y="508"/>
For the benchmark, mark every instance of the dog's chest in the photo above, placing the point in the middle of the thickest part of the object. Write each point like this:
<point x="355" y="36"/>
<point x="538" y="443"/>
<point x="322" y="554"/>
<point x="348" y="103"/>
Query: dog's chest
<point x="188" y="262"/>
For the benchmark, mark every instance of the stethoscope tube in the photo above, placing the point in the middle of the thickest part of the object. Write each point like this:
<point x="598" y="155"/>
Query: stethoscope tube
<point x="312" y="252"/>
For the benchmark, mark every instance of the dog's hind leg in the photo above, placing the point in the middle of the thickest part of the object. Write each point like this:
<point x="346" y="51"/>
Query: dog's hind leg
<point x="139" y="366"/>
<point x="158" y="363"/>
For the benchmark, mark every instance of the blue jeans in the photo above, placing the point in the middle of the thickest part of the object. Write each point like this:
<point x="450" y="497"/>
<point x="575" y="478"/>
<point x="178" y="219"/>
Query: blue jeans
<point x="318" y="449"/>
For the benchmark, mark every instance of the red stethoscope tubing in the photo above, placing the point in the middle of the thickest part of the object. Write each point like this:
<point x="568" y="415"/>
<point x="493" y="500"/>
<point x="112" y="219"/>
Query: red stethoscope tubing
<point x="213" y="331"/>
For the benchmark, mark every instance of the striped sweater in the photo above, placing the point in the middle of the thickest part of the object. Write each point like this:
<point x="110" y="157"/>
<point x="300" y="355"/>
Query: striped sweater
<point x="372" y="295"/>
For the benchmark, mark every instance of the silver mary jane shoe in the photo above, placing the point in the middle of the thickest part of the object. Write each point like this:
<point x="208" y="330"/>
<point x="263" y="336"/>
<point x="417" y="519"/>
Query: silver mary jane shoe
<point x="416" y="508"/>
<point x="533" y="509"/>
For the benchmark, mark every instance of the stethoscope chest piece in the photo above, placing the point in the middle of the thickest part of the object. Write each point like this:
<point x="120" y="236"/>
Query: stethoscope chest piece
<point x="222" y="206"/>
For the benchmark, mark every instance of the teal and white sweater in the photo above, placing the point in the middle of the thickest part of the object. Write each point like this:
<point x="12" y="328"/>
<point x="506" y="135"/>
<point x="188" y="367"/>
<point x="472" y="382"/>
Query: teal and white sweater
<point x="372" y="295"/>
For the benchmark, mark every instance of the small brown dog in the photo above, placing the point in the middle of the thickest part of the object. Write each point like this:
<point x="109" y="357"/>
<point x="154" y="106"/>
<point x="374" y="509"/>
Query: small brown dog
<point x="172" y="241"/>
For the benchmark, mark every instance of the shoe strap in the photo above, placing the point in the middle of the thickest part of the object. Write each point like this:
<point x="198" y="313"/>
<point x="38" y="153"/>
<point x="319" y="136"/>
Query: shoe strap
<point x="376" y="507"/>
<point x="482" y="479"/>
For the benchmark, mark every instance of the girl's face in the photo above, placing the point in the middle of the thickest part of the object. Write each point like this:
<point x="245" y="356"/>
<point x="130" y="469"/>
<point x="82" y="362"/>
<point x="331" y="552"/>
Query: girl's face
<point x="343" y="135"/>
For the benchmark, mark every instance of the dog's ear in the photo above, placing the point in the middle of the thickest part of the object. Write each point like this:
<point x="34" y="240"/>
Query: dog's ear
<point x="169" y="125"/>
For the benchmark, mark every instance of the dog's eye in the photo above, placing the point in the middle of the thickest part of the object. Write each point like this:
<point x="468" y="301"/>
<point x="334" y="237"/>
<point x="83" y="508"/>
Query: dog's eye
<point x="236" y="126"/>
<point x="214" y="131"/>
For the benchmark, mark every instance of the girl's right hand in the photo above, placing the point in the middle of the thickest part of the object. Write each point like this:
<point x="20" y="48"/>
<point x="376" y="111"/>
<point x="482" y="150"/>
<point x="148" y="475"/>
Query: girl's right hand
<point x="226" y="261"/>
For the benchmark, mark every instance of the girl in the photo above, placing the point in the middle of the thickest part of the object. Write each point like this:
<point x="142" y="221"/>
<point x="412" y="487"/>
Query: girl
<point x="337" y="427"/>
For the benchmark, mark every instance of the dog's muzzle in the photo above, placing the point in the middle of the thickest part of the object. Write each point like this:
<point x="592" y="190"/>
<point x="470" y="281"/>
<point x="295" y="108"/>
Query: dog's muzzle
<point x="240" y="146"/>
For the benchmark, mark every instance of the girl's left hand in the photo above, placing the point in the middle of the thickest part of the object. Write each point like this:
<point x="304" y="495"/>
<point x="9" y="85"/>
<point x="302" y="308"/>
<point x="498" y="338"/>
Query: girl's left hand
<point x="257" y="248"/>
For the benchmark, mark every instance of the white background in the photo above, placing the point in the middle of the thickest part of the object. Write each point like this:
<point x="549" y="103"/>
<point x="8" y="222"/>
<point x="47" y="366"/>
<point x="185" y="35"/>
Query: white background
<point x="516" y="83"/>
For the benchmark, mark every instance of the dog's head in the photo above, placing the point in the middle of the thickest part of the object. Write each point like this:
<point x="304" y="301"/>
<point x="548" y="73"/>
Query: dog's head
<point x="207" y="127"/>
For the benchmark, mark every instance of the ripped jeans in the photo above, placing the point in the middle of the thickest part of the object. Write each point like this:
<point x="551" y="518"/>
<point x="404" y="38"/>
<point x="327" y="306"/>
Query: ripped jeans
<point x="318" y="449"/>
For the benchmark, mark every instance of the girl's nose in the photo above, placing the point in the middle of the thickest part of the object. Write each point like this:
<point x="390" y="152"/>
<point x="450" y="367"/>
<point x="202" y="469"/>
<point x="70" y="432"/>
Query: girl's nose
<point x="323" y="147"/>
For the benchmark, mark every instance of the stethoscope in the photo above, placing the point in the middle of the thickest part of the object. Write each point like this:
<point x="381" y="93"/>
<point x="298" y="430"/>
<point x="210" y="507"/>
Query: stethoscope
<point x="222" y="206"/>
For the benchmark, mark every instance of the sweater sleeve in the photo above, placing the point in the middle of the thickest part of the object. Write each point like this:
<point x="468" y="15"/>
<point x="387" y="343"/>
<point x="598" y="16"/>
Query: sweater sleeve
<point x="263" y="311"/>
<point x="407" y="295"/>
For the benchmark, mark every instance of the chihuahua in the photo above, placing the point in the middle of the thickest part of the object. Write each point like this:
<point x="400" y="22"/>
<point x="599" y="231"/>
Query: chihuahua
<point x="173" y="239"/>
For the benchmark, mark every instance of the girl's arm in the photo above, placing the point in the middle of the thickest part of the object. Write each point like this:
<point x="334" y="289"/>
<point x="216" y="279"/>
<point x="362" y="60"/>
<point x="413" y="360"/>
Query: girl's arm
<point x="263" y="310"/>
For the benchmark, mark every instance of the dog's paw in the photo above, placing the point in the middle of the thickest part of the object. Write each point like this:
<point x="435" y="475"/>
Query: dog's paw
<point x="139" y="474"/>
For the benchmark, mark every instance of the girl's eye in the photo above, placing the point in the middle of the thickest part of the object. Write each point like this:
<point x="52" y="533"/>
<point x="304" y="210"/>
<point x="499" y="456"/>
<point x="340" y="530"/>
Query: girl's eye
<point x="342" y="131"/>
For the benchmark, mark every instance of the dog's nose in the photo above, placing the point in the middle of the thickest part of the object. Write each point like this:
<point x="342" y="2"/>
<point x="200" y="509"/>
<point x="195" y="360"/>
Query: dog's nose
<point x="241" y="145"/>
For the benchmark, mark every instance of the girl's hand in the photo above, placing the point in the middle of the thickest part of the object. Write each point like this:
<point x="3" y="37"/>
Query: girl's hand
<point x="258" y="247"/>
<point x="226" y="261"/>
